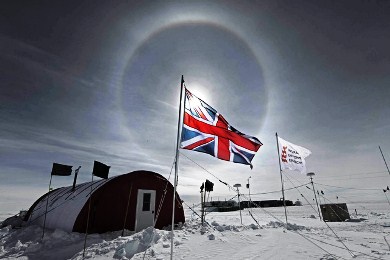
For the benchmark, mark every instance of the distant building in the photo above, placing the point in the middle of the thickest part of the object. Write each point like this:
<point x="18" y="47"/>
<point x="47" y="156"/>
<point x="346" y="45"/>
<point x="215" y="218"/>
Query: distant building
<point x="335" y="212"/>
<point x="221" y="206"/>
<point x="265" y="203"/>
<point x="231" y="205"/>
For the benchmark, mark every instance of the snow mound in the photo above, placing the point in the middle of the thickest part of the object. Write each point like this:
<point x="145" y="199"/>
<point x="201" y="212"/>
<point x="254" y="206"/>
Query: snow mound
<point x="138" y="243"/>
<point x="126" y="247"/>
<point x="290" y="226"/>
<point x="211" y="237"/>
<point x="224" y="227"/>
<point x="27" y="242"/>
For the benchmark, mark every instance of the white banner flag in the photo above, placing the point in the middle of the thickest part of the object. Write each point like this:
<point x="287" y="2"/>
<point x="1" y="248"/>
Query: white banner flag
<point x="292" y="156"/>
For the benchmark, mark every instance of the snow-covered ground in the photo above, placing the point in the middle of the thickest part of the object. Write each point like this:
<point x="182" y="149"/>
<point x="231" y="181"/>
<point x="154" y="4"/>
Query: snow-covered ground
<point x="262" y="237"/>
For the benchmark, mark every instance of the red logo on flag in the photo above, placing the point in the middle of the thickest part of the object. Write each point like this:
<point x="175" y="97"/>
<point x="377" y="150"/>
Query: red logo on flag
<point x="284" y="154"/>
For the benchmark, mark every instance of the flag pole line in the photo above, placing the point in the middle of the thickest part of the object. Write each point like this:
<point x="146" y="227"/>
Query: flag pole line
<point x="281" y="179"/>
<point x="345" y="198"/>
<point x="127" y="209"/>
<point x="176" y="164"/>
<point x="387" y="198"/>
<point x="350" y="251"/>
<point x="258" y="206"/>
<point x="53" y="208"/>
<point x="300" y="191"/>
<point x="318" y="210"/>
<point x="315" y="196"/>
<point x="230" y="187"/>
<point x="89" y="209"/>
<point x="202" y="206"/>
<point x="295" y="231"/>
<point x="160" y="207"/>
<point x="47" y="203"/>
<point x="384" y="160"/>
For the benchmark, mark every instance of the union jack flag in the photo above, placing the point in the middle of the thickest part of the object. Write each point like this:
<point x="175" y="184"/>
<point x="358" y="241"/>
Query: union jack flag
<point x="205" y="130"/>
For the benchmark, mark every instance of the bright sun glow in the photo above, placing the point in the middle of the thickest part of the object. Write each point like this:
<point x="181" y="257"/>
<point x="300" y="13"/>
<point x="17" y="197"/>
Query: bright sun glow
<point x="200" y="91"/>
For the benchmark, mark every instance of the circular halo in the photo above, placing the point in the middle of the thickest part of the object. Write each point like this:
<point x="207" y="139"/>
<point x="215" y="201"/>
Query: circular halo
<point x="139" y="71"/>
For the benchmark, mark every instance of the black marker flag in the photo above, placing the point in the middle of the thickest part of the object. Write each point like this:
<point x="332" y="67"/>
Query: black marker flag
<point x="100" y="170"/>
<point x="61" y="169"/>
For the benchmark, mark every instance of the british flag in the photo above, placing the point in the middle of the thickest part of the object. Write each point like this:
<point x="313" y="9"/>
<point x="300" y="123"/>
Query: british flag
<point x="205" y="130"/>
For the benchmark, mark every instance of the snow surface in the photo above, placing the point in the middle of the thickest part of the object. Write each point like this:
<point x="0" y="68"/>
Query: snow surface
<point x="365" y="237"/>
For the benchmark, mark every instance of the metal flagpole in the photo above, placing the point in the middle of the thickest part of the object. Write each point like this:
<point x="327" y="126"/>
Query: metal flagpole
<point x="249" y="193"/>
<point x="89" y="209"/>
<point x="239" y="202"/>
<point x="281" y="179"/>
<point x="310" y="174"/>
<point x="386" y="197"/>
<point x="202" y="203"/>
<point x="127" y="209"/>
<point x="47" y="203"/>
<point x="176" y="164"/>
<point x="384" y="160"/>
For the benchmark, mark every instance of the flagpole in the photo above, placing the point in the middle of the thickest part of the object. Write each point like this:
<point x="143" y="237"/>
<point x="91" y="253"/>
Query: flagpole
<point x="127" y="209"/>
<point x="202" y="203"/>
<point x="310" y="174"/>
<point x="384" y="160"/>
<point x="47" y="203"/>
<point x="89" y="209"/>
<point x="176" y="163"/>
<point x="281" y="179"/>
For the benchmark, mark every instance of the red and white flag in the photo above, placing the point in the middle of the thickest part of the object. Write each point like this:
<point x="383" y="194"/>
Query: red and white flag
<point x="292" y="156"/>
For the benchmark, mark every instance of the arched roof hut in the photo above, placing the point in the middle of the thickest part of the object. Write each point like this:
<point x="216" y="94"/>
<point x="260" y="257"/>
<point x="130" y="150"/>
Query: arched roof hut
<point x="144" y="192"/>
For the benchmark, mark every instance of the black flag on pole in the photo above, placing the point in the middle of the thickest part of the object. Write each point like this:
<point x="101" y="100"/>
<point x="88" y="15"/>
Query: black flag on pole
<point x="100" y="169"/>
<point x="61" y="169"/>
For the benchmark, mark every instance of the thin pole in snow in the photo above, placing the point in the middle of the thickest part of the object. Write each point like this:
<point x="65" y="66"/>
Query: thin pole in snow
<point x="249" y="193"/>
<point x="176" y="164"/>
<point x="239" y="204"/>
<point x="384" y="160"/>
<point x="202" y="203"/>
<point x="281" y="179"/>
<point x="47" y="203"/>
<point x="310" y="174"/>
<point x="127" y="210"/>
<point x="387" y="198"/>
<point x="89" y="209"/>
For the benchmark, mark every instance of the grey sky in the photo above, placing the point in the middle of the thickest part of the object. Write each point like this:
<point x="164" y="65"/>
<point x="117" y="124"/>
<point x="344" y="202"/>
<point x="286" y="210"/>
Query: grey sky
<point x="83" y="82"/>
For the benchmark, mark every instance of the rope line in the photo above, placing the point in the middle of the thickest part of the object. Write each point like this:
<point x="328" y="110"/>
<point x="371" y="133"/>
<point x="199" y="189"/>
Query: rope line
<point x="160" y="206"/>
<point x="295" y="231"/>
<point x="349" y="188"/>
<point x="328" y="226"/>
<point x="231" y="188"/>
<point x="286" y="226"/>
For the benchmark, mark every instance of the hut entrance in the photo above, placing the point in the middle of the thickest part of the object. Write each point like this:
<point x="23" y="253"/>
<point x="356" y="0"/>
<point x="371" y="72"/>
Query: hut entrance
<point x="145" y="209"/>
